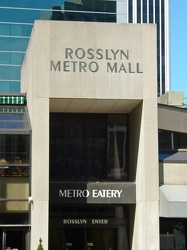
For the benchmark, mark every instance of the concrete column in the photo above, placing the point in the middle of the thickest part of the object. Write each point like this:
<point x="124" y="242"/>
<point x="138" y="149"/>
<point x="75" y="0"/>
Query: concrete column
<point x="40" y="173"/>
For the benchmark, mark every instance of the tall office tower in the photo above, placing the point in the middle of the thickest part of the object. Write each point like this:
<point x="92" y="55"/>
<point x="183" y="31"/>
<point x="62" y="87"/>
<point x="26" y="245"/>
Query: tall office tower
<point x="155" y="11"/>
<point x="17" y="19"/>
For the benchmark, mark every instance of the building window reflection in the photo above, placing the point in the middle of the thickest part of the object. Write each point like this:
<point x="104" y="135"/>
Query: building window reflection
<point x="173" y="233"/>
<point x="14" y="155"/>
<point x="88" y="147"/>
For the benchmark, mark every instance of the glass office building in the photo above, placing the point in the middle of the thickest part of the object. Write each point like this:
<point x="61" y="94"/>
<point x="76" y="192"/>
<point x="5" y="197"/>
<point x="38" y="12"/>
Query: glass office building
<point x="17" y="19"/>
<point x="15" y="140"/>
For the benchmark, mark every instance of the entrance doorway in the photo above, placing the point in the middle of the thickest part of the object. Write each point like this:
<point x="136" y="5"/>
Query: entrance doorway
<point x="14" y="238"/>
<point x="88" y="238"/>
<point x="88" y="227"/>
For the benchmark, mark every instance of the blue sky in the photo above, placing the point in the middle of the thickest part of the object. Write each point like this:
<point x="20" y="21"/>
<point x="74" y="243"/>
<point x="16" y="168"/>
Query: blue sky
<point x="178" y="45"/>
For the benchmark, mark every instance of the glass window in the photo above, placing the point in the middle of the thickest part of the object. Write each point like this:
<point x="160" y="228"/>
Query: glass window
<point x="130" y="11"/>
<point x="19" y="15"/>
<point x="173" y="233"/>
<point x="170" y="142"/>
<point x="138" y="11"/>
<point x="165" y="140"/>
<point x="11" y="58"/>
<point x="14" y="155"/>
<point x="144" y="11"/>
<point x="150" y="11"/>
<point x="14" y="238"/>
<point x="10" y="72"/>
<point x="88" y="146"/>
<point x="15" y="29"/>
<point x="14" y="142"/>
<point x="9" y="86"/>
<point x="183" y="141"/>
<point x="14" y="161"/>
<point x="12" y="217"/>
<point x="13" y="44"/>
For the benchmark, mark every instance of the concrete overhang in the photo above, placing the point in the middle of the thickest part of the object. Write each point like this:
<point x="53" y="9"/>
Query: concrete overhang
<point x="173" y="201"/>
<point x="92" y="105"/>
<point x="172" y="118"/>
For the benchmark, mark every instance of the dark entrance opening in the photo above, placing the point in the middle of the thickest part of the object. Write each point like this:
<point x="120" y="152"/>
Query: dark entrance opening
<point x="14" y="238"/>
<point x="86" y="238"/>
<point x="74" y="238"/>
<point x="91" y="238"/>
<point x="88" y="227"/>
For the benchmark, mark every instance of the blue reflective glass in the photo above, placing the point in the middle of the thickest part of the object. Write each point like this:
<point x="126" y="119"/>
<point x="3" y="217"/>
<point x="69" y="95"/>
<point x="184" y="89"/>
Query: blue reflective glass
<point x="11" y="58"/>
<point x="13" y="44"/>
<point x="11" y="121"/>
<point x="11" y="117"/>
<point x="15" y="29"/>
<point x="19" y="15"/>
<point x="10" y="86"/>
<point x="163" y="156"/>
<point x="10" y="72"/>
<point x="32" y="3"/>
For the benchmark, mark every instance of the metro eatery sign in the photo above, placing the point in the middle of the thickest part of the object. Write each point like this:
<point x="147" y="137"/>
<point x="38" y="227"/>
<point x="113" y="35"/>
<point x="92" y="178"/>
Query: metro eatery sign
<point x="89" y="60"/>
<point x="92" y="192"/>
<point x="95" y="193"/>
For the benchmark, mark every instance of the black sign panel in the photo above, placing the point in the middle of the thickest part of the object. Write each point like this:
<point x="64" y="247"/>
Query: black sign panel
<point x="93" y="193"/>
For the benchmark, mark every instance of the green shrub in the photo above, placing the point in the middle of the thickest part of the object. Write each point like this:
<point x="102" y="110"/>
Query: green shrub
<point x="40" y="247"/>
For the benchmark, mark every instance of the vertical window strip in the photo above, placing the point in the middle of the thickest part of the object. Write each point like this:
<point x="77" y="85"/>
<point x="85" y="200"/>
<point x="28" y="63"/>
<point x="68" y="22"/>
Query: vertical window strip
<point x="150" y="11"/>
<point x="138" y="13"/>
<point x="160" y="42"/>
<point x="130" y="11"/>
<point x="154" y="18"/>
<point x="145" y="13"/>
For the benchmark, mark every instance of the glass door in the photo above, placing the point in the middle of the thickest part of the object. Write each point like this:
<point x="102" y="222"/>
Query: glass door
<point x="74" y="239"/>
<point x="17" y="239"/>
<point x="102" y="239"/>
<point x="96" y="239"/>
<point x="91" y="239"/>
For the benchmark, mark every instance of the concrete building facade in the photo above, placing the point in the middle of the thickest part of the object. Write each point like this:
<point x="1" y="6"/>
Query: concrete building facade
<point x="104" y="166"/>
<point x="90" y="68"/>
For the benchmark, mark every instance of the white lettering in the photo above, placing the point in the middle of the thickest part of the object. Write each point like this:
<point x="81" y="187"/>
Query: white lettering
<point x="74" y="221"/>
<point x="73" y="193"/>
<point x="106" y="193"/>
<point x="99" y="221"/>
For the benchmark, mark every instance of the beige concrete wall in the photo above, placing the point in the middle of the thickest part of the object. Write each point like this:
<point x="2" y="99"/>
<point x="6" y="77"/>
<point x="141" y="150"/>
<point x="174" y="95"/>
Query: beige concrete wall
<point x="14" y="188"/>
<point x="173" y="173"/>
<point x="39" y="116"/>
<point x="143" y="167"/>
<point x="134" y="85"/>
<point x="126" y="83"/>
<point x="173" y="98"/>
<point x="173" y="119"/>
